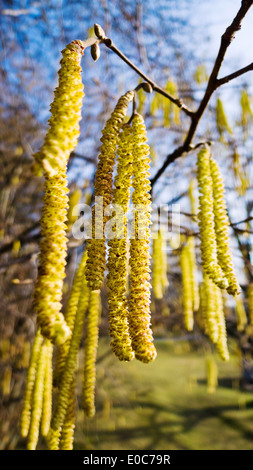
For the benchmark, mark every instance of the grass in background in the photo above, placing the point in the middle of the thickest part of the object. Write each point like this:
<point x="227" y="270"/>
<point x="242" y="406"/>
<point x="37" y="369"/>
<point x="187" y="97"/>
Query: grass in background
<point x="165" y="405"/>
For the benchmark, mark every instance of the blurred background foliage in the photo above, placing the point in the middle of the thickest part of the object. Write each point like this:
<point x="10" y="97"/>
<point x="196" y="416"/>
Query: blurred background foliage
<point x="175" y="44"/>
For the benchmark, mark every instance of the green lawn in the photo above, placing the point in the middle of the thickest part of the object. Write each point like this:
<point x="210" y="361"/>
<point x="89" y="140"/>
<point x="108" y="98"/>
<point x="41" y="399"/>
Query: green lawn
<point x="165" y="405"/>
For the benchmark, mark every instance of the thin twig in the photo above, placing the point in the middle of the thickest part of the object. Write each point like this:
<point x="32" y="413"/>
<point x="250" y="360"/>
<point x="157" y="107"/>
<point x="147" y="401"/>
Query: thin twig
<point x="177" y="101"/>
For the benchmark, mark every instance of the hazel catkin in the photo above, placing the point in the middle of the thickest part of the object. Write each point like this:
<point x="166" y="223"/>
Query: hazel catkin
<point x="117" y="263"/>
<point x="52" y="159"/>
<point x="139" y="298"/>
<point x="96" y="248"/>
<point x="221" y="223"/>
<point x="208" y="244"/>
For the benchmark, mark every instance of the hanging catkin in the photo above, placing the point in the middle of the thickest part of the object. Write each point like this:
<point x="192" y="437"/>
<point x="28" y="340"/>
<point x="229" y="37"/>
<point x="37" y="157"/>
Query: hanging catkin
<point x="96" y="261"/>
<point x="139" y="299"/>
<point x="60" y="140"/>
<point x="250" y="302"/>
<point x="90" y="354"/>
<point x="208" y="243"/>
<point x="37" y="401"/>
<point x="221" y="119"/>
<point x="64" y="390"/>
<point x="193" y="270"/>
<point x="210" y="316"/>
<point x="63" y="132"/>
<point x="159" y="266"/>
<point x="48" y="391"/>
<point x="30" y="380"/>
<point x="221" y="344"/>
<point x="51" y="271"/>
<point x="221" y="223"/>
<point x="70" y="315"/>
<point x="186" y="288"/>
<point x="68" y="428"/>
<point x="117" y="259"/>
<point x="240" y="313"/>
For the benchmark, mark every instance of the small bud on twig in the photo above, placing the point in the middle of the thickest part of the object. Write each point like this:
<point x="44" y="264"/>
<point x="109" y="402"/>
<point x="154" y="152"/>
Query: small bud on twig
<point x="147" y="87"/>
<point x="99" y="31"/>
<point x="95" y="51"/>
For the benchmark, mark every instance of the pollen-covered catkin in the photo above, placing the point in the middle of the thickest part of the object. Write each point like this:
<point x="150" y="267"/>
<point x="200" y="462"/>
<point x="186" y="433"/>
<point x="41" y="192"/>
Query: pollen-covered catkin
<point x="68" y="428"/>
<point x="221" y="223"/>
<point x="90" y="354"/>
<point x="221" y="119"/>
<point x="37" y="404"/>
<point x="64" y="391"/>
<point x="187" y="288"/>
<point x="70" y="315"/>
<point x="159" y="266"/>
<point x="96" y="261"/>
<point x="51" y="271"/>
<point x="30" y="380"/>
<point x="117" y="263"/>
<point x="208" y="243"/>
<point x="139" y="298"/>
<point x="250" y="302"/>
<point x="48" y="390"/>
<point x="63" y="132"/>
<point x="221" y="344"/>
<point x="240" y="313"/>
<point x="210" y="316"/>
<point x="60" y="140"/>
<point x="193" y="268"/>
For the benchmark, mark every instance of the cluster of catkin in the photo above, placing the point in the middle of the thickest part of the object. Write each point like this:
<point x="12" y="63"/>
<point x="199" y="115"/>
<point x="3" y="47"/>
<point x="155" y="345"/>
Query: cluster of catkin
<point x="57" y="422"/>
<point x="214" y="224"/>
<point x="159" y="267"/>
<point x="189" y="282"/>
<point x="212" y="311"/>
<point x="51" y="160"/>
<point x="129" y="318"/>
<point x="36" y="412"/>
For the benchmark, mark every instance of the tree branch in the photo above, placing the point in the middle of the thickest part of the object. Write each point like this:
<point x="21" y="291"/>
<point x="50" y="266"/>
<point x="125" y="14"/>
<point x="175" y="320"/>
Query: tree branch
<point x="177" y="101"/>
<point x="236" y="74"/>
<point x="212" y="85"/>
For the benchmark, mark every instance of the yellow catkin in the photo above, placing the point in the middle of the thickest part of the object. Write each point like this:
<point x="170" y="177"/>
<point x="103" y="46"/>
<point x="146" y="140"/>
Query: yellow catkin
<point x="193" y="273"/>
<point x="212" y="374"/>
<point x="37" y="400"/>
<point x="64" y="390"/>
<point x="63" y="132"/>
<point x="139" y="299"/>
<point x="246" y="112"/>
<point x="52" y="260"/>
<point x="171" y="112"/>
<point x="70" y="315"/>
<point x="90" y="354"/>
<point x="240" y="313"/>
<point x="221" y="344"/>
<point x="48" y="390"/>
<point x="30" y="380"/>
<point x="117" y="263"/>
<point x="103" y="189"/>
<point x="60" y="140"/>
<point x="74" y="199"/>
<point x="250" y="302"/>
<point x="68" y="428"/>
<point x="186" y="288"/>
<point x="221" y="223"/>
<point x="159" y="267"/>
<point x="221" y="119"/>
<point x="201" y="75"/>
<point x="208" y="244"/>
<point x="193" y="198"/>
<point x="210" y="316"/>
<point x="6" y="382"/>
